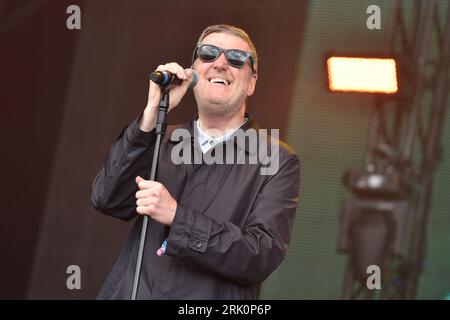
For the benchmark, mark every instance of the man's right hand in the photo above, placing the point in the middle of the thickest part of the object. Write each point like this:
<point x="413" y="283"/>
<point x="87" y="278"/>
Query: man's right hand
<point x="148" y="120"/>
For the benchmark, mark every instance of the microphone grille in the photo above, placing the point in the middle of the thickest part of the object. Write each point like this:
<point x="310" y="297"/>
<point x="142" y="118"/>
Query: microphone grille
<point x="194" y="79"/>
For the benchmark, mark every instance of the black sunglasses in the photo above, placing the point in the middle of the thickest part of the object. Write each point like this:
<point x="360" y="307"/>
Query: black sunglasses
<point x="236" y="58"/>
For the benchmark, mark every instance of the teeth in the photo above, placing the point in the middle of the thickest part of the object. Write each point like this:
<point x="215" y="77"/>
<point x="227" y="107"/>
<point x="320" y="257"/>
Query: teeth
<point x="216" y="80"/>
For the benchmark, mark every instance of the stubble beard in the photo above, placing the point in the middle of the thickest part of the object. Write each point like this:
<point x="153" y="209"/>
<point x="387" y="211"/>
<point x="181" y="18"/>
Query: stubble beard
<point x="218" y="108"/>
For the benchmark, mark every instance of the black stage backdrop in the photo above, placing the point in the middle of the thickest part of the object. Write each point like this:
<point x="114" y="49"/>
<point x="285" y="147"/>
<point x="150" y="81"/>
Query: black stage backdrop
<point x="66" y="94"/>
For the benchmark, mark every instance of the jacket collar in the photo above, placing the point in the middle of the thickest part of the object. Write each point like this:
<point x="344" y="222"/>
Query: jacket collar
<point x="192" y="129"/>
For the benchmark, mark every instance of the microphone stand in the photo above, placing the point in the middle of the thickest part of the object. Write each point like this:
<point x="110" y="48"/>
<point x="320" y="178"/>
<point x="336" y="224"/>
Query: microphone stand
<point x="161" y="124"/>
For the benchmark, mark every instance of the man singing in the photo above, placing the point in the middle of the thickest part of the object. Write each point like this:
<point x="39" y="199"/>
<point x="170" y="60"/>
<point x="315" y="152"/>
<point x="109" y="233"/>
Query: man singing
<point x="216" y="230"/>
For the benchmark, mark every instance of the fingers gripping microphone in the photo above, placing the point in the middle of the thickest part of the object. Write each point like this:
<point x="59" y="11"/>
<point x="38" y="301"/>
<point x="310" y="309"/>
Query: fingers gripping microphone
<point x="166" y="79"/>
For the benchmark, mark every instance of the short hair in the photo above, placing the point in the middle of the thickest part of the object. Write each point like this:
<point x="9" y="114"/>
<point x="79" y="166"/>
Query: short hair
<point x="226" y="28"/>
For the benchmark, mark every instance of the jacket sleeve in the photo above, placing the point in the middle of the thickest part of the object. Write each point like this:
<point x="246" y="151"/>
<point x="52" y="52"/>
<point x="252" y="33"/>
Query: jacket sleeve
<point x="249" y="254"/>
<point x="114" y="187"/>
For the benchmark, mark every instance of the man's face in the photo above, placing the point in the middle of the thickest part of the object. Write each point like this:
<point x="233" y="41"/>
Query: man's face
<point x="217" y="98"/>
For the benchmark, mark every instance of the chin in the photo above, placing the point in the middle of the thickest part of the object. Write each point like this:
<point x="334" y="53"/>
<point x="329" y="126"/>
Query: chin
<point x="216" y="109"/>
<point x="216" y="102"/>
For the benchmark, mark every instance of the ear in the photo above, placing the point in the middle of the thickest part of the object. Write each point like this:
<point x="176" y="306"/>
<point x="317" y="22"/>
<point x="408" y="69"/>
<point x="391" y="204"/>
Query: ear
<point x="252" y="84"/>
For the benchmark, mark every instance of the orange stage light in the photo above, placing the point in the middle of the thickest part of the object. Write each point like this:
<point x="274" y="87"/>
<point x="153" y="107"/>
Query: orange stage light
<point x="371" y="75"/>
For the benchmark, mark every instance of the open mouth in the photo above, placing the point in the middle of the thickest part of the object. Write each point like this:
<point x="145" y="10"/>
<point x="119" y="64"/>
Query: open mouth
<point x="219" y="81"/>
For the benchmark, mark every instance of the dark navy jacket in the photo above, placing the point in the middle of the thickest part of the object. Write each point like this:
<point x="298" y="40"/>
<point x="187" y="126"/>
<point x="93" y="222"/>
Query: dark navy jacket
<point x="231" y="229"/>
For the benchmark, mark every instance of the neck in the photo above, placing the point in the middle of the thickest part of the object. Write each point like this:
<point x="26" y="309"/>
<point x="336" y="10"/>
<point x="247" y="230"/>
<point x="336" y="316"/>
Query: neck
<point x="221" y="123"/>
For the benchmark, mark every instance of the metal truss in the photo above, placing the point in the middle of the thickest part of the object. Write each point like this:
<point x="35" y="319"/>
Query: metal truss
<point x="384" y="222"/>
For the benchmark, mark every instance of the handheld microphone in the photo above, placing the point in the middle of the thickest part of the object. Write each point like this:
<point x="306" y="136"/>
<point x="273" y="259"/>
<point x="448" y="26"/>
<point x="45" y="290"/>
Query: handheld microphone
<point x="165" y="79"/>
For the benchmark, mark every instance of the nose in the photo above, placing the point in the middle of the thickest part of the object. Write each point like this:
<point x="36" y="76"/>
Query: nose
<point x="221" y="62"/>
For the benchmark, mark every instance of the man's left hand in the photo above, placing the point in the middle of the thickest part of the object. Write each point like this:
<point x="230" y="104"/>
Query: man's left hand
<point x="154" y="200"/>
